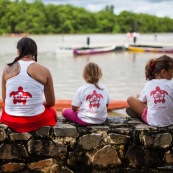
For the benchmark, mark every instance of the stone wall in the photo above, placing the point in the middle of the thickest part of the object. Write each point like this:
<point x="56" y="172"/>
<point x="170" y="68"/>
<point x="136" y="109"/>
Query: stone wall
<point x="121" y="145"/>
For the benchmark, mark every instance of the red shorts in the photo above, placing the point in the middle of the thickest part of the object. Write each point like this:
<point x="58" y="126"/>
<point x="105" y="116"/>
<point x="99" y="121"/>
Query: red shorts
<point x="31" y="123"/>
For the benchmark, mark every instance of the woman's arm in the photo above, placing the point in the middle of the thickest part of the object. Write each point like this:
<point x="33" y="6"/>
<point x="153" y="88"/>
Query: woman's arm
<point x="3" y="89"/>
<point x="49" y="91"/>
<point x="3" y="86"/>
<point x="43" y="75"/>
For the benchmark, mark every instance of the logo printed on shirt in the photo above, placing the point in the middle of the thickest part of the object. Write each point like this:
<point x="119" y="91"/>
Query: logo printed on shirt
<point x="94" y="99"/>
<point x="158" y="95"/>
<point x="20" y="96"/>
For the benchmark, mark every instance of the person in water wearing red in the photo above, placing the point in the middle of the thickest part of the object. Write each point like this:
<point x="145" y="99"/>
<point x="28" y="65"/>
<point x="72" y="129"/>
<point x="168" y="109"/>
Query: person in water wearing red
<point x="25" y="84"/>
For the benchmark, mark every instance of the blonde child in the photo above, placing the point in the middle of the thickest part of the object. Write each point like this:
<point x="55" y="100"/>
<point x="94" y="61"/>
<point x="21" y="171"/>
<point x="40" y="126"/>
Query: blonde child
<point x="155" y="104"/>
<point x="89" y="105"/>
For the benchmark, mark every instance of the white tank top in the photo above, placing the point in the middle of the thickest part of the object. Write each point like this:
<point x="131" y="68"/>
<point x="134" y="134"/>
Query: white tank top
<point x="24" y="95"/>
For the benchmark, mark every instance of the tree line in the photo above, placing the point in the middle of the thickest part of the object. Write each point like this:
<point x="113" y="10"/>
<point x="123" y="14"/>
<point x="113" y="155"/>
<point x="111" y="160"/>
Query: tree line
<point x="20" y="16"/>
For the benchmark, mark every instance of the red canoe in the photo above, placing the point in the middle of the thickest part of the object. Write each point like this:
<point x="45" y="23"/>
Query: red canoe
<point x="61" y="104"/>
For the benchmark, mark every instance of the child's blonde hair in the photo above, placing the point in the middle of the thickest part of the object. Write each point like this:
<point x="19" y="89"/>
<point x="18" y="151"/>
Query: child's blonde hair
<point x="92" y="73"/>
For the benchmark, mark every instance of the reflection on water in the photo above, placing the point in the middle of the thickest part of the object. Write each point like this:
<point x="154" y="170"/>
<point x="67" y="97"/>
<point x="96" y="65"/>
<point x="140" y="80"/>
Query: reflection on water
<point x="123" y="72"/>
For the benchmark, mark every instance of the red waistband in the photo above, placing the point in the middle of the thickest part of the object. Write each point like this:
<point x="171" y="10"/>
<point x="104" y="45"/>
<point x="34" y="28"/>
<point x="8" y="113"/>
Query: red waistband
<point x="27" y="124"/>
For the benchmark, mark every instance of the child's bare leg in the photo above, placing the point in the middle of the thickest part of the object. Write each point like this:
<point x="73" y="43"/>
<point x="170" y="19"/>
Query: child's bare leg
<point x="136" y="105"/>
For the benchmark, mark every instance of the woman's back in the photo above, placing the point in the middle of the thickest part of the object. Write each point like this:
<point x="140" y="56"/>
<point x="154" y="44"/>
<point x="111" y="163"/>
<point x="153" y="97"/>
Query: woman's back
<point x="27" y="90"/>
<point x="38" y="73"/>
<point x="24" y="94"/>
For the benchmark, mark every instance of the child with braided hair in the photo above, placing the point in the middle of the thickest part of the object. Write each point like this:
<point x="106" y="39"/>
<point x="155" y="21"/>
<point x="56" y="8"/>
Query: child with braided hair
<point x="89" y="105"/>
<point x="155" y="104"/>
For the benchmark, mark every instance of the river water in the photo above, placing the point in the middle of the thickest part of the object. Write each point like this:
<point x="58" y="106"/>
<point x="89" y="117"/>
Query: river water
<point x="123" y="72"/>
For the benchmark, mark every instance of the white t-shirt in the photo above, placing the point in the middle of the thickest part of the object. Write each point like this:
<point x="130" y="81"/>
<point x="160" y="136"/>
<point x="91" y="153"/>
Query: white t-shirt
<point x="24" y="95"/>
<point x="92" y="102"/>
<point x="159" y="97"/>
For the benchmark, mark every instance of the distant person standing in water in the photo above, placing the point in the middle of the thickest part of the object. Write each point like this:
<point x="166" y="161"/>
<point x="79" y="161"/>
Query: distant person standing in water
<point x="91" y="100"/>
<point x="135" y="37"/>
<point x="155" y="104"/>
<point x="25" y="83"/>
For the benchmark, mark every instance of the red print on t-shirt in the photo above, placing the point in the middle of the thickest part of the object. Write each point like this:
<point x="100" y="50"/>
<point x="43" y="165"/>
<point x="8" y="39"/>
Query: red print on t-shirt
<point x="158" y="95"/>
<point x="20" y="96"/>
<point x="94" y="99"/>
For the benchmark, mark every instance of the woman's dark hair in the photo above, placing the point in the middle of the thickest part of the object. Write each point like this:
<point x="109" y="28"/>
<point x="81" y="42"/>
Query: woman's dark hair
<point x="26" y="46"/>
<point x="155" y="66"/>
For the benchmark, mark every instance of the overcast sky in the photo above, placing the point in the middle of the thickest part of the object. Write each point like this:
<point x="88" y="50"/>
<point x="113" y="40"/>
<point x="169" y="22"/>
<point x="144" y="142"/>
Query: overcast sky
<point x="160" y="8"/>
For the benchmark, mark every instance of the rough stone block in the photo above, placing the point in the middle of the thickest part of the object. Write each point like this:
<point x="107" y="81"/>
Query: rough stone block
<point x="47" y="165"/>
<point x="20" y="136"/>
<point x="12" y="151"/>
<point x="105" y="157"/>
<point x="90" y="141"/>
<point x="157" y="140"/>
<point x="3" y="135"/>
<point x="118" y="138"/>
<point x="47" y="148"/>
<point x="66" y="130"/>
<point x="12" y="167"/>
<point x="168" y="159"/>
<point x="43" y="131"/>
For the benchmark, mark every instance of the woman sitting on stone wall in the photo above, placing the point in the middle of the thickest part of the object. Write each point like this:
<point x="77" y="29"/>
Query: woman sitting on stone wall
<point x="23" y="83"/>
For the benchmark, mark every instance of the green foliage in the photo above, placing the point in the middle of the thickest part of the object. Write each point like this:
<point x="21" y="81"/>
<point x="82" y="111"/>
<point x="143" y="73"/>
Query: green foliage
<point x="106" y="21"/>
<point x="20" y="16"/>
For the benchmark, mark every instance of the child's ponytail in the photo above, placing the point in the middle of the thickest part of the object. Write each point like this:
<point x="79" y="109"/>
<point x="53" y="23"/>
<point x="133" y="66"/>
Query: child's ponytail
<point x="150" y="69"/>
<point x="155" y="66"/>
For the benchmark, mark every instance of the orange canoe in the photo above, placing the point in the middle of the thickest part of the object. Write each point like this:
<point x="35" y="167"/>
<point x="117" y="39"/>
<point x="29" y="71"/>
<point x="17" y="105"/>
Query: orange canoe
<point x="61" y="104"/>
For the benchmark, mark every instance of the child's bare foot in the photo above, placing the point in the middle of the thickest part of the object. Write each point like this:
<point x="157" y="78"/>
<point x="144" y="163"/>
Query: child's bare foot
<point x="132" y="113"/>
